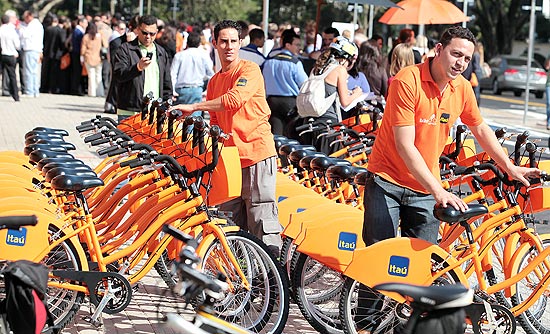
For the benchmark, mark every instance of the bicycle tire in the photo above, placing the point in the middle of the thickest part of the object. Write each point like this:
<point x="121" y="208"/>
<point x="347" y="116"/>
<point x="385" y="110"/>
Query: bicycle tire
<point x="162" y="267"/>
<point x="536" y="319"/>
<point x="269" y="284"/>
<point x="63" y="304"/>
<point x="318" y="300"/>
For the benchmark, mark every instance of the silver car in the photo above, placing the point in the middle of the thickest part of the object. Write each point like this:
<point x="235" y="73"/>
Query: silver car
<point x="509" y="73"/>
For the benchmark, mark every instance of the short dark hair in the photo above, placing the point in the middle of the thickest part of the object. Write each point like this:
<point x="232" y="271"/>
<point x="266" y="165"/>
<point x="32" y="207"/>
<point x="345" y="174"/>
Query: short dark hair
<point x="148" y="20"/>
<point x="456" y="32"/>
<point x="226" y="24"/>
<point x="332" y="30"/>
<point x="5" y="19"/>
<point x="288" y="36"/>
<point x="193" y="40"/>
<point x="256" y="34"/>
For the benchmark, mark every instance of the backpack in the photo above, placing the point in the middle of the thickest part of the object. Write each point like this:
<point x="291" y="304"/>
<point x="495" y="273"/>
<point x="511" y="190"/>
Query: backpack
<point x="25" y="303"/>
<point x="312" y="100"/>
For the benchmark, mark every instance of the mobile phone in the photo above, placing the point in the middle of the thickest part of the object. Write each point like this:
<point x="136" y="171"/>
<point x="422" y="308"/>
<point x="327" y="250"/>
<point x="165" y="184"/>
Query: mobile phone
<point x="149" y="55"/>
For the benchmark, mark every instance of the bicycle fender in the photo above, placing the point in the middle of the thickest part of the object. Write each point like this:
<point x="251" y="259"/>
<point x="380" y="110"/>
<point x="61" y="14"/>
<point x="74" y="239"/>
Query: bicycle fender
<point x="405" y="260"/>
<point x="513" y="266"/>
<point x="28" y="241"/>
<point x="332" y="241"/>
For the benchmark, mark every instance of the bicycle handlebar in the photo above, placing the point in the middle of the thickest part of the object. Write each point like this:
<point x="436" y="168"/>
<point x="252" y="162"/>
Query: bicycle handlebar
<point x="15" y="222"/>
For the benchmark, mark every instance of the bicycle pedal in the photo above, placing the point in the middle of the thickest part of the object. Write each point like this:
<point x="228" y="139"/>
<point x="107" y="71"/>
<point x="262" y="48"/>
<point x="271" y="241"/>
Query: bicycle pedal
<point x="95" y="323"/>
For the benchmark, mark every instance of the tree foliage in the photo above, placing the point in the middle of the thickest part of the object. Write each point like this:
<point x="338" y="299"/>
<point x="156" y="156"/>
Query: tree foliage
<point x="499" y="22"/>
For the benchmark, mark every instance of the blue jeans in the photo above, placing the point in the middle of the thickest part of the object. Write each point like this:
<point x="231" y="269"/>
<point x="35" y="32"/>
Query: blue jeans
<point x="188" y="95"/>
<point x="547" y="106"/>
<point x="31" y="70"/>
<point x="387" y="203"/>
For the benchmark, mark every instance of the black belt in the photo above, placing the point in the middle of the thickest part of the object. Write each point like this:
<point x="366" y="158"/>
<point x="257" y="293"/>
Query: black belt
<point x="194" y="86"/>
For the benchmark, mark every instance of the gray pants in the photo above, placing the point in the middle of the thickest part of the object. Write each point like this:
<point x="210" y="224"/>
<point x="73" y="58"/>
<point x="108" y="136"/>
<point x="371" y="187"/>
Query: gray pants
<point x="256" y="209"/>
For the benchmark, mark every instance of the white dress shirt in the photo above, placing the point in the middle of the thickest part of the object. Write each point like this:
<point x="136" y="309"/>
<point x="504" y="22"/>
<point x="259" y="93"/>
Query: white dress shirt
<point x="9" y="40"/>
<point x="32" y="36"/>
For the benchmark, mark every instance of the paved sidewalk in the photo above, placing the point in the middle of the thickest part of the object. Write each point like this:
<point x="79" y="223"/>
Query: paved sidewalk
<point x="65" y="112"/>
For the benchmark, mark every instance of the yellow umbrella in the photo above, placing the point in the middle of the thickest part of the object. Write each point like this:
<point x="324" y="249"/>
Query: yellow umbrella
<point x="424" y="12"/>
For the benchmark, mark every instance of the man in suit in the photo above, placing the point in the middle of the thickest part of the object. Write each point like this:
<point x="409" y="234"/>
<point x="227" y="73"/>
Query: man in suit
<point x="54" y="37"/>
<point x="76" y="66"/>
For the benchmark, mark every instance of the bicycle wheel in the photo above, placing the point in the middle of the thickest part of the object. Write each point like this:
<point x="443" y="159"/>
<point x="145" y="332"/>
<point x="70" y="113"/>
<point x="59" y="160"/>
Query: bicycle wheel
<point x="364" y="309"/>
<point x="317" y="292"/>
<point x="262" y="309"/>
<point x="536" y="319"/>
<point x="62" y="303"/>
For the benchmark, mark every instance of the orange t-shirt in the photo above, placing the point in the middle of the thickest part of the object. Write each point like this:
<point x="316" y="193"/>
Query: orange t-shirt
<point x="246" y="114"/>
<point x="415" y="99"/>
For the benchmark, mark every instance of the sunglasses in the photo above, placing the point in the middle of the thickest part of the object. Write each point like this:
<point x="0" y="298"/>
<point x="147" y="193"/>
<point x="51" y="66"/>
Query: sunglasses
<point x="145" y="33"/>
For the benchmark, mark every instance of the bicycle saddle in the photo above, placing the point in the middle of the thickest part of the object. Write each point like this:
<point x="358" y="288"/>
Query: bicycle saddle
<point x="78" y="171"/>
<point x="286" y="149"/>
<point x="361" y="178"/>
<point x="305" y="161"/>
<point x="323" y="163"/>
<point x="46" y="161"/>
<point x="37" y="155"/>
<point x="451" y="215"/>
<point x="50" y="138"/>
<point x="41" y="129"/>
<point x="75" y="183"/>
<point x="68" y="146"/>
<point x="432" y="296"/>
<point x="297" y="155"/>
<point x="69" y="165"/>
<point x="33" y="147"/>
<point x="283" y="141"/>
<point x="341" y="173"/>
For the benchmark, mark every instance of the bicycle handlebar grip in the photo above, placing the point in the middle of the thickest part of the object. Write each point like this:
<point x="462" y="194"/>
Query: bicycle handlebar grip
<point x="117" y="152"/>
<point x="140" y="147"/>
<point x="215" y="132"/>
<point x="500" y="132"/>
<point x="93" y="137"/>
<point x="83" y="128"/>
<point x="15" y="222"/>
<point x="137" y="163"/>
<point x="106" y="150"/>
<point x="100" y="141"/>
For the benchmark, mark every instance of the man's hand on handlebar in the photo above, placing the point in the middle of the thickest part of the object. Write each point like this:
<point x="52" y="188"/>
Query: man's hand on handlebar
<point x="186" y="110"/>
<point x="523" y="173"/>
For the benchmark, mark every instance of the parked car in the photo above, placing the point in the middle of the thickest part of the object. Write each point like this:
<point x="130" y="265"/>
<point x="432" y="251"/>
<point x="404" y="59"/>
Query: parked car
<point x="509" y="73"/>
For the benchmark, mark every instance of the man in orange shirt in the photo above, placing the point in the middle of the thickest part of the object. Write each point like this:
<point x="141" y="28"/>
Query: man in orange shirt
<point x="404" y="182"/>
<point x="236" y="99"/>
<point x="423" y="103"/>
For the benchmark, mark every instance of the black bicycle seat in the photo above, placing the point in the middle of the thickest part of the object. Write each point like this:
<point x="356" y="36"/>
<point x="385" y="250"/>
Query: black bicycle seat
<point x="75" y="183"/>
<point x="68" y="165"/>
<point x="46" y="161"/>
<point x="305" y="161"/>
<point x="37" y="155"/>
<point x="341" y="173"/>
<point x="286" y="149"/>
<point x="451" y="215"/>
<point x="53" y="147"/>
<point x="68" y="146"/>
<point x="297" y="155"/>
<point x="432" y="296"/>
<point x="361" y="178"/>
<point x="323" y="163"/>
<point x="283" y="141"/>
<point x="38" y="137"/>
<point x="60" y="132"/>
<point x="78" y="171"/>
